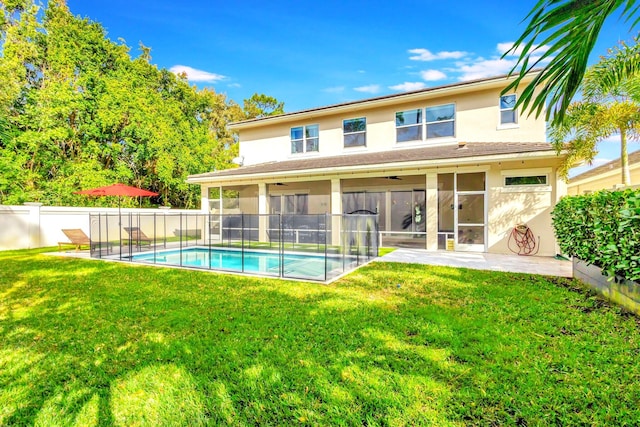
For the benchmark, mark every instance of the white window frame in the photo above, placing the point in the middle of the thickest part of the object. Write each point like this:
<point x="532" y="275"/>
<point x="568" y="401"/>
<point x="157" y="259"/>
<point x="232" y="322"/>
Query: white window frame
<point x="344" y="134"/>
<point x="509" y="125"/>
<point x="515" y="173"/>
<point x="304" y="139"/>
<point x="420" y="125"/>
<point x="427" y="123"/>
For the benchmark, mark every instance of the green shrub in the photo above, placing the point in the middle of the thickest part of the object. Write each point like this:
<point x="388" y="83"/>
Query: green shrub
<point x="602" y="228"/>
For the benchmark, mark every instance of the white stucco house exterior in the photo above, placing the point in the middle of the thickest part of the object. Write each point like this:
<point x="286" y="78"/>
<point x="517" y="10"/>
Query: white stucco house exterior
<point x="452" y="167"/>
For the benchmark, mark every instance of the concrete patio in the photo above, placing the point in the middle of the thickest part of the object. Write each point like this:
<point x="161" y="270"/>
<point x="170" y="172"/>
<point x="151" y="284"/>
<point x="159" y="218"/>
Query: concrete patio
<point x="547" y="266"/>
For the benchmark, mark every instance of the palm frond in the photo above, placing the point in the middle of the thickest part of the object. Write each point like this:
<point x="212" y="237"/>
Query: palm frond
<point x="571" y="28"/>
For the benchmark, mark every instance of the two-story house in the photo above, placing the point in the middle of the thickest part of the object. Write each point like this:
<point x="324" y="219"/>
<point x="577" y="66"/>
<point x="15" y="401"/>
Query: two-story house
<point x="451" y="167"/>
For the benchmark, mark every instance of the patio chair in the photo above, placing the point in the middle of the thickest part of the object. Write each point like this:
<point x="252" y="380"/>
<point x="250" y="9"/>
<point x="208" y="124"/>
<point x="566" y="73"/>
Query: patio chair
<point x="137" y="236"/>
<point x="78" y="238"/>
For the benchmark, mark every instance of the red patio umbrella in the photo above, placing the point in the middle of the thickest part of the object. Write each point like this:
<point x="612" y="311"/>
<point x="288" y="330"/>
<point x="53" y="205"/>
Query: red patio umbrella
<point x="118" y="190"/>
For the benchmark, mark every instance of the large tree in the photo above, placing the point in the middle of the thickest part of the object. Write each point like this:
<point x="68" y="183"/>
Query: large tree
<point x="570" y="28"/>
<point x="77" y="111"/>
<point x="260" y="105"/>
<point x="607" y="108"/>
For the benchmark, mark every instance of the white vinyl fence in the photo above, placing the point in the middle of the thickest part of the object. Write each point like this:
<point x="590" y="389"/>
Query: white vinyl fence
<point x="35" y="226"/>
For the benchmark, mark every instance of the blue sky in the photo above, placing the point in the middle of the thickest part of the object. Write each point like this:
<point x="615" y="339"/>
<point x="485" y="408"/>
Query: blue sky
<point x="310" y="54"/>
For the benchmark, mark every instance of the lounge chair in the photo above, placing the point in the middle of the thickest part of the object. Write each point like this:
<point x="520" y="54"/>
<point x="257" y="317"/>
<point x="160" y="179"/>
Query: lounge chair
<point x="137" y="236"/>
<point x="78" y="238"/>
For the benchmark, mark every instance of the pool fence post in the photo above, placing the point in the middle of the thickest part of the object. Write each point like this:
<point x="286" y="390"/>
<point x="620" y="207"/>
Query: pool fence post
<point x="180" y="237"/>
<point x="358" y="239"/>
<point x="281" y="246"/>
<point x="343" y="244"/>
<point x="130" y="239"/>
<point x="325" y="242"/>
<point x="99" y="236"/>
<point x="242" y="238"/>
<point x="155" y="237"/>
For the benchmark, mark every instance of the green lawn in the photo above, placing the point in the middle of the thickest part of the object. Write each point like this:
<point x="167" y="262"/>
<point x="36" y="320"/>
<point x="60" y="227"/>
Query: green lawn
<point x="96" y="343"/>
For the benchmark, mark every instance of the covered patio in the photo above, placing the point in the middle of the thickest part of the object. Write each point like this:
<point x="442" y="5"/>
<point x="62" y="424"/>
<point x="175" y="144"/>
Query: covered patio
<point x="466" y="197"/>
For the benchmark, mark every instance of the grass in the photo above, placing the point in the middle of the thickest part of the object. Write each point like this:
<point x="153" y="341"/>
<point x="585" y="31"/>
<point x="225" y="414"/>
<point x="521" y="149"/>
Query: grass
<point x="86" y="342"/>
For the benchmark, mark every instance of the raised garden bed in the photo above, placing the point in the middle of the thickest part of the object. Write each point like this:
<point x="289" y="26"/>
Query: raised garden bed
<point x="624" y="293"/>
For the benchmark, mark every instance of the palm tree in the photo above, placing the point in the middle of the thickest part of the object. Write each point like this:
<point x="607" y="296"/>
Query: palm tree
<point x="571" y="27"/>
<point x="618" y="71"/>
<point x="607" y="108"/>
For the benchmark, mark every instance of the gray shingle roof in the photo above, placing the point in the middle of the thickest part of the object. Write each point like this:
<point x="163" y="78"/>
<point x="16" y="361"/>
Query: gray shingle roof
<point x="472" y="149"/>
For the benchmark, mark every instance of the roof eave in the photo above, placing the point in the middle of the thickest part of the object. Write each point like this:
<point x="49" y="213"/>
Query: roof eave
<point x="387" y="167"/>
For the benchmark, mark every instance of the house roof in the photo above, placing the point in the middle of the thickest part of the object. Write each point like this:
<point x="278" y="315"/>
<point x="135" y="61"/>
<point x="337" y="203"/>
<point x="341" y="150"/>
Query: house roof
<point x="480" y="84"/>
<point x="426" y="155"/>
<point x="607" y="167"/>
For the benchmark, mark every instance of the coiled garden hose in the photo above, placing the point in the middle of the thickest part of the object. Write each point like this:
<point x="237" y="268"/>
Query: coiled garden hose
<point x="523" y="239"/>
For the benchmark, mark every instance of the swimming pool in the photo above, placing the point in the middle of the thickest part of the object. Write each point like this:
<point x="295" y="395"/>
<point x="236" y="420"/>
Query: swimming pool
<point x="271" y="263"/>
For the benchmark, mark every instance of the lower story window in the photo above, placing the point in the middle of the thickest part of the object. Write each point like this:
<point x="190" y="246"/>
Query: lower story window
<point x="525" y="180"/>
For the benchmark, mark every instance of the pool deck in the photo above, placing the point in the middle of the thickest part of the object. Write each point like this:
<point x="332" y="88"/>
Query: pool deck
<point x="548" y="266"/>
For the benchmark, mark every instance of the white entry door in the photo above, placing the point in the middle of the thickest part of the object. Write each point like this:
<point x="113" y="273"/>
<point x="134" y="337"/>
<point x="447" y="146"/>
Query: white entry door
<point x="470" y="212"/>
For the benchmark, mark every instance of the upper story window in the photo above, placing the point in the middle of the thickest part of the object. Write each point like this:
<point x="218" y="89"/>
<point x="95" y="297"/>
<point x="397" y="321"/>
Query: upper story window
<point x="508" y="113"/>
<point x="304" y="139"/>
<point x="355" y="132"/>
<point x="441" y="121"/>
<point x="409" y="125"/>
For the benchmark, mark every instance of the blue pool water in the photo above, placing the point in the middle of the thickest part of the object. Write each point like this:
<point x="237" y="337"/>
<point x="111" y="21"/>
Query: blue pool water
<point x="258" y="262"/>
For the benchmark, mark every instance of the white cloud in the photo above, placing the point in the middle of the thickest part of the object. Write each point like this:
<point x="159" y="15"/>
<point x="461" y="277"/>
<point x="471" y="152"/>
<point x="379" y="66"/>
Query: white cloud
<point x="408" y="86"/>
<point x="234" y="85"/>
<point x="368" y="89"/>
<point x="432" y="75"/>
<point x="613" y="138"/>
<point x="485" y="68"/>
<point x="506" y="46"/>
<point x="481" y="68"/>
<point x="427" y="55"/>
<point x="334" y="89"/>
<point x="194" y="75"/>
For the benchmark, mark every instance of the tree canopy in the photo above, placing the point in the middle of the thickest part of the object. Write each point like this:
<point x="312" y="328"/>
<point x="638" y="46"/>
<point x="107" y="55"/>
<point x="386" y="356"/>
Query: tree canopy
<point x="570" y="29"/>
<point x="78" y="111"/>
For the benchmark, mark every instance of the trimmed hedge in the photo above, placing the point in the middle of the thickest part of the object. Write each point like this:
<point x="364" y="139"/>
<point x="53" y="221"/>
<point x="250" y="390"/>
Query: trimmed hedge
<point x="602" y="228"/>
